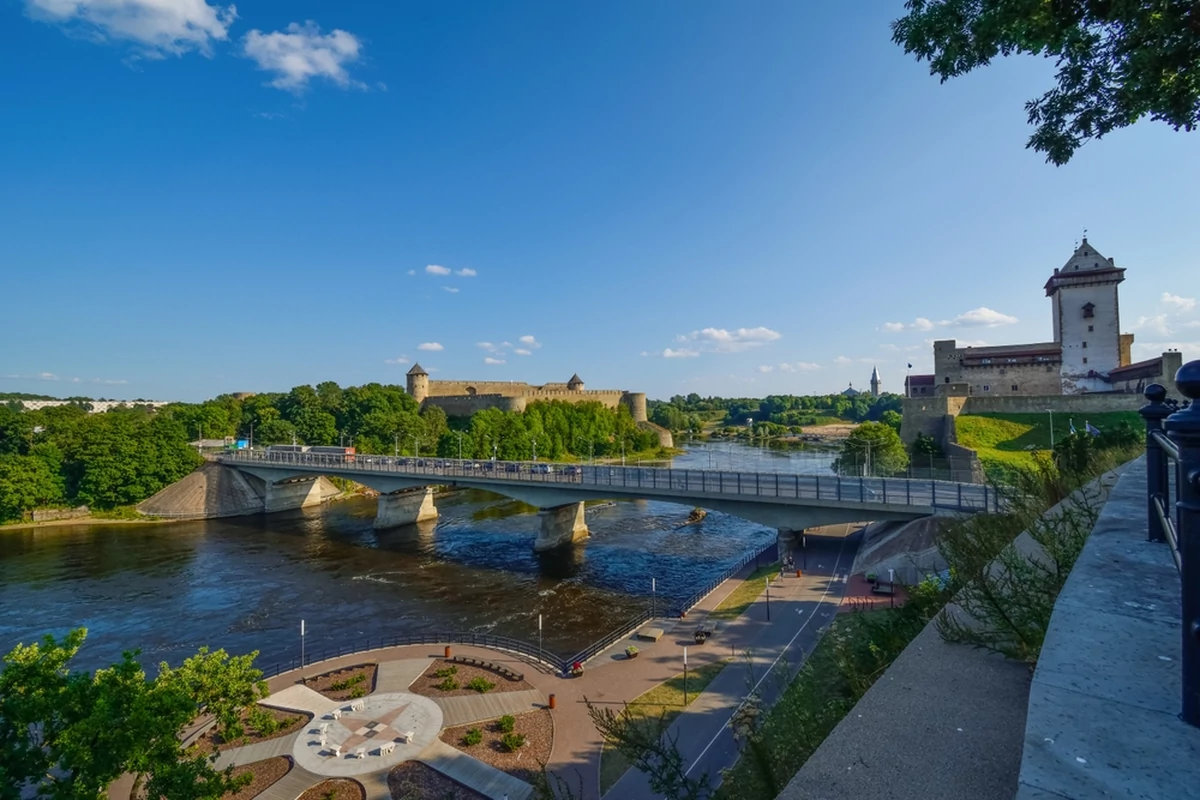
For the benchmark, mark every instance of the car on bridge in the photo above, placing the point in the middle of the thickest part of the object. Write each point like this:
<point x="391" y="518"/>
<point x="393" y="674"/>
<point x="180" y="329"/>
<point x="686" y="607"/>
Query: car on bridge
<point x="541" y="469"/>
<point x="512" y="467"/>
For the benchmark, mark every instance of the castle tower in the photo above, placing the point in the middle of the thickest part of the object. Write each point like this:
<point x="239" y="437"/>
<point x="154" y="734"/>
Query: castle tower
<point x="876" y="383"/>
<point x="576" y="383"/>
<point x="1087" y="318"/>
<point x="418" y="383"/>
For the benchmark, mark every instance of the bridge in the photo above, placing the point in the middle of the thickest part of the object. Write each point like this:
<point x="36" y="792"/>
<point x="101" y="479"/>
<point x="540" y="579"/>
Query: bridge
<point x="787" y="501"/>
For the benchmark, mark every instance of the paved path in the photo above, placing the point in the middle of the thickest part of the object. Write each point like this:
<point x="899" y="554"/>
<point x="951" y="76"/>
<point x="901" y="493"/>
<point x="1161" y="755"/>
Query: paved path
<point x="473" y="708"/>
<point x="473" y="773"/>
<point x="258" y="751"/>
<point x="299" y="697"/>
<point x="297" y="781"/>
<point x="397" y="676"/>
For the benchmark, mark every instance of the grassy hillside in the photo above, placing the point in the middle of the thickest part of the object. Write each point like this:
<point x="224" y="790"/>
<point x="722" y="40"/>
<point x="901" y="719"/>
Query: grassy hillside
<point x="1008" y="440"/>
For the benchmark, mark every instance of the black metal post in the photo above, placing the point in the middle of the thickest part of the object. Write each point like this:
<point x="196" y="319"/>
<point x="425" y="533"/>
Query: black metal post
<point x="768" y="598"/>
<point x="1154" y="412"/>
<point x="1183" y="427"/>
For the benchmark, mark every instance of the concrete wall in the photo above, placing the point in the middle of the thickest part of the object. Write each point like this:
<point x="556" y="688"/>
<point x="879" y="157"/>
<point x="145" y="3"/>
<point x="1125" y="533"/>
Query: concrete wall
<point x="48" y="514"/>
<point x="1076" y="404"/>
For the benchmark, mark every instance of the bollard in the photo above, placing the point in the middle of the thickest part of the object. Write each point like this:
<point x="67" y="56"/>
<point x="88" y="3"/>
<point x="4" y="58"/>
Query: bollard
<point x="798" y="573"/>
<point x="447" y="651"/>
<point x="552" y="703"/>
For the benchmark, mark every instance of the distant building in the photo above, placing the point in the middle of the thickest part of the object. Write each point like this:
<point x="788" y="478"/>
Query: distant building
<point x="876" y="383"/>
<point x="1088" y="353"/>
<point x="94" y="406"/>
<point x="850" y="391"/>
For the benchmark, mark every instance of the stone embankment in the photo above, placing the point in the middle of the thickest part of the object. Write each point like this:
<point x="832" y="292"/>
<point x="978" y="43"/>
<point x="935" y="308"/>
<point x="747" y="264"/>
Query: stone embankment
<point x="214" y="490"/>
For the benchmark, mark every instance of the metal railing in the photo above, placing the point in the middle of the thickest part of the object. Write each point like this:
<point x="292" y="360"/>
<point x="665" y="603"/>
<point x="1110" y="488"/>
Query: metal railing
<point x="685" y="484"/>
<point x="1173" y="507"/>
<point x="528" y="650"/>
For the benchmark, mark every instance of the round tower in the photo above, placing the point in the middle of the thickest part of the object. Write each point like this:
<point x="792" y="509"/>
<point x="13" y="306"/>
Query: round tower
<point x="636" y="403"/>
<point x="575" y="384"/>
<point x="418" y="383"/>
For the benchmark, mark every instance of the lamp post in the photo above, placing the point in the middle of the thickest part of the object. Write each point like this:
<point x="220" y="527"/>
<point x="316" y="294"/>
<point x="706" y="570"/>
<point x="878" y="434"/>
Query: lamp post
<point x="1050" y="411"/>
<point x="539" y="634"/>
<point x="534" y="448"/>
<point x="396" y="446"/>
<point x="685" y="675"/>
<point x="301" y="644"/>
<point x="416" y="446"/>
<point x="459" y="445"/>
<point x="768" y="598"/>
<point x="653" y="596"/>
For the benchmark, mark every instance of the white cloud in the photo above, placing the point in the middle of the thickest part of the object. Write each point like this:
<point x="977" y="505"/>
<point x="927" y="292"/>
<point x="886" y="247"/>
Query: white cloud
<point x="982" y="317"/>
<point x="1190" y="350"/>
<point x="485" y="346"/>
<point x="682" y="352"/>
<point x="303" y="53"/>
<point x="490" y="360"/>
<point x="766" y="368"/>
<point x="450" y="289"/>
<point x="722" y="340"/>
<point x="158" y="27"/>
<point x="1156" y="324"/>
<point x="412" y="272"/>
<point x="893" y="327"/>
<point x="433" y="347"/>
<point x="466" y="272"/>
<point x="108" y="381"/>
<point x="842" y="361"/>
<point x="396" y="360"/>
<point x="437" y="269"/>
<point x="46" y="376"/>
<point x="799" y="366"/>
<point x="918" y="324"/>
<point x="521" y="351"/>
<point x="1179" y="305"/>
<point x="530" y="342"/>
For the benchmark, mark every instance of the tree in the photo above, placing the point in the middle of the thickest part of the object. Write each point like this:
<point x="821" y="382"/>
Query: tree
<point x="1118" y="60"/>
<point x="67" y="735"/>
<point x="873" y="448"/>
<point x="892" y="419"/>
<point x="26" y="483"/>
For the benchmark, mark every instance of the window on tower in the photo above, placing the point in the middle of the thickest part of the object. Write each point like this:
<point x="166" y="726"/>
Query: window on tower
<point x="1089" y="310"/>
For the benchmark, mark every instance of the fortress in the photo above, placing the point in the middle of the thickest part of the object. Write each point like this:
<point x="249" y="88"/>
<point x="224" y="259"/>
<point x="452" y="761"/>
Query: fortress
<point x="464" y="398"/>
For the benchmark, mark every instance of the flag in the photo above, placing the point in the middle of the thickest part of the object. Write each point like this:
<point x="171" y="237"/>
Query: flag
<point x="1092" y="429"/>
<point x="1072" y="427"/>
<point x="910" y="366"/>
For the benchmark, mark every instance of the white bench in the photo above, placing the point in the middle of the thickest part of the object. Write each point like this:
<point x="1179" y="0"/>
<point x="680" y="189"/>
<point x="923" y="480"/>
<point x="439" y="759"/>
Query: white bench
<point x="336" y="750"/>
<point x="358" y="705"/>
<point x="408" y="737"/>
<point x="336" y="713"/>
<point x="360" y="752"/>
<point x="323" y="740"/>
<point x="323" y="728"/>
<point x="386" y="748"/>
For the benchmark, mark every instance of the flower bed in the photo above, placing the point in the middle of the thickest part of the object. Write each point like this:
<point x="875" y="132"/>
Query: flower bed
<point x="288" y="722"/>
<point x="265" y="773"/>
<point x="336" y="789"/>
<point x="525" y="763"/>
<point x="345" y="684"/>
<point x="432" y="684"/>
<point x="412" y="779"/>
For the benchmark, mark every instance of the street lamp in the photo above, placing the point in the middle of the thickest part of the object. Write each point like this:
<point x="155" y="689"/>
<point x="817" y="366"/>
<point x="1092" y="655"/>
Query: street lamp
<point x="768" y="598"/>
<point x="459" y="445"/>
<point x="416" y="446"/>
<point x="534" y="449"/>
<point x="396" y="445"/>
<point x="1050" y="411"/>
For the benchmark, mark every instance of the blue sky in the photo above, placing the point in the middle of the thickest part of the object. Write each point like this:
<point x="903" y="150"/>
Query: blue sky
<point x="669" y="196"/>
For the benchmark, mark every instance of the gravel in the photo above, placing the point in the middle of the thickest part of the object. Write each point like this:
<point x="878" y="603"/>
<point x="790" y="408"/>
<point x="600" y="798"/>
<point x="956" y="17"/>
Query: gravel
<point x="322" y="683"/>
<point x="412" y="780"/>
<point x="265" y="773"/>
<point x="341" y="788"/>
<point x="526" y="762"/>
<point x="427" y="683"/>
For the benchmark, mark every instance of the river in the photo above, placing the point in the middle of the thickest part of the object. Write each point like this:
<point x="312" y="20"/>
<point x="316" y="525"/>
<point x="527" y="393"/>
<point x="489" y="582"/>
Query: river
<point x="244" y="584"/>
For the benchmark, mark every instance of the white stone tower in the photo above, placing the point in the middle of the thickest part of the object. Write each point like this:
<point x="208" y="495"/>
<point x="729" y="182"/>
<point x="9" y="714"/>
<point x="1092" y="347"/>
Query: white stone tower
<point x="418" y="383"/>
<point x="1087" y="318"/>
<point x="876" y="383"/>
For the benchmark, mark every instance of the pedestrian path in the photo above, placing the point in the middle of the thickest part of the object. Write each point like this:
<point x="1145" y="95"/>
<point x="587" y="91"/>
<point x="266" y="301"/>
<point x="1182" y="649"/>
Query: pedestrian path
<point x="296" y="782"/>
<point x="259" y="751"/>
<point x="397" y="676"/>
<point x="473" y="773"/>
<point x="473" y="708"/>
<point x="299" y="697"/>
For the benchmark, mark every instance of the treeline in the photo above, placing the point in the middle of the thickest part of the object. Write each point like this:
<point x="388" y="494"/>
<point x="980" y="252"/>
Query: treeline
<point x="63" y="455"/>
<point x="689" y="412"/>
<point x="66" y="456"/>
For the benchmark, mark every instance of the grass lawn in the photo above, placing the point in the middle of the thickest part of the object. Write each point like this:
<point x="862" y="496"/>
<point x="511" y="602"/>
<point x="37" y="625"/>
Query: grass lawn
<point x="1009" y="440"/>
<point x="745" y="594"/>
<point x="665" y="699"/>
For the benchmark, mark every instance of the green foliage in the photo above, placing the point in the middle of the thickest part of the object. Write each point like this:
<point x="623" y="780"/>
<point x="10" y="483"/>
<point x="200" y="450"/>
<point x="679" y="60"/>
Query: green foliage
<point x="687" y="413"/>
<point x="506" y="724"/>
<point x="1117" y="61"/>
<point x="448" y="684"/>
<point x="873" y="448"/>
<point x="91" y="728"/>
<point x="26" y="483"/>
<point x="472" y="737"/>
<point x="512" y="742"/>
<point x="480" y="684"/>
<point x="262" y="721"/>
<point x="446" y="672"/>
<point x="892" y="419"/>
<point x="352" y="681"/>
<point x="926" y="445"/>
<point x="357" y="692"/>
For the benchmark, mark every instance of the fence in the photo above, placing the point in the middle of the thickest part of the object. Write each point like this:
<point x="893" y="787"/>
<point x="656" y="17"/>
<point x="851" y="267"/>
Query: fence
<point x="529" y="650"/>
<point x="1173" y="507"/>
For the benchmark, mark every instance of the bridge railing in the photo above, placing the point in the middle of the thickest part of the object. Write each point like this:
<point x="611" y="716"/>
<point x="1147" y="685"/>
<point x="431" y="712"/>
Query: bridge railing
<point x="1173" y="507"/>
<point x="885" y="491"/>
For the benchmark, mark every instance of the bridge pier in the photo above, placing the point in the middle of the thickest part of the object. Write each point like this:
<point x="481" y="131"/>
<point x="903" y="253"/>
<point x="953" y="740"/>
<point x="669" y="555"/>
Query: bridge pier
<point x="292" y="494"/>
<point x="787" y="540"/>
<point x="406" y="507"/>
<point x="561" y="525"/>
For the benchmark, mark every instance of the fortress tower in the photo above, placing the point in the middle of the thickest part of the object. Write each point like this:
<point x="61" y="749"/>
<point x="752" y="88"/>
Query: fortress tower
<point x="418" y="383"/>
<point x="1087" y="318"/>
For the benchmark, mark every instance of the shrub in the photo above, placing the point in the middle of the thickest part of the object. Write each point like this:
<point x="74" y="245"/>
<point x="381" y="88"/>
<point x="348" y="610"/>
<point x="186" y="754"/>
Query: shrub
<point x="473" y="737"/>
<point x="357" y="692"/>
<point x="262" y="721"/>
<point x="352" y="681"/>
<point x="506" y="724"/>
<point x="481" y="684"/>
<point x="447" y="672"/>
<point x="512" y="742"/>
<point x="448" y="684"/>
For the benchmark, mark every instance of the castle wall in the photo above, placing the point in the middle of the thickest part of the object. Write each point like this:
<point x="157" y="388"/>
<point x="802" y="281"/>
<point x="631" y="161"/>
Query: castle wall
<point x="1072" y="404"/>
<point x="465" y="405"/>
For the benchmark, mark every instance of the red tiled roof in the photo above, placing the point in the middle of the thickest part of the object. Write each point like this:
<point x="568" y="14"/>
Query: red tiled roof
<point x="920" y="380"/>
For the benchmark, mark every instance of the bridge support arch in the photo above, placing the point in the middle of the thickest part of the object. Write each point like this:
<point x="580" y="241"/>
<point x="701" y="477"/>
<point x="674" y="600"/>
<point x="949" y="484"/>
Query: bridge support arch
<point x="560" y="525"/>
<point x="293" y="493"/>
<point x="786" y="541"/>
<point x="405" y="507"/>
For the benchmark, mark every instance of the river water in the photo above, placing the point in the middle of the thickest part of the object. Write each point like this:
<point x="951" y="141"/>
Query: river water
<point x="244" y="584"/>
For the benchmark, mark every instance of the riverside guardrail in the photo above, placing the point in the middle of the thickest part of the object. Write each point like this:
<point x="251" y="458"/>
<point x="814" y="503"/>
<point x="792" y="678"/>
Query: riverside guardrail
<point x="964" y="497"/>
<point x="1173" y="435"/>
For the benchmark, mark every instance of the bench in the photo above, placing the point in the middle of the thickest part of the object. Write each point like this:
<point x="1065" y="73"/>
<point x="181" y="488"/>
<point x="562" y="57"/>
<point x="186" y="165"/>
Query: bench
<point x="488" y="665"/>
<point x="883" y="588"/>
<point x="650" y="634"/>
<point x="705" y="631"/>
<point x="386" y="748"/>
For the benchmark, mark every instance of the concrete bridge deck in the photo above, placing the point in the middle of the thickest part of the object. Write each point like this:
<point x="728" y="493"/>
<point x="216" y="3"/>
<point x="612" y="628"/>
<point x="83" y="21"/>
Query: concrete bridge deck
<point x="787" y="501"/>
